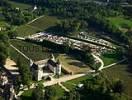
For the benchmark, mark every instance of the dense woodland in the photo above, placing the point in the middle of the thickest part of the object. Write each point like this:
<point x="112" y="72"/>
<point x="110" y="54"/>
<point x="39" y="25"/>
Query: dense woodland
<point x="78" y="15"/>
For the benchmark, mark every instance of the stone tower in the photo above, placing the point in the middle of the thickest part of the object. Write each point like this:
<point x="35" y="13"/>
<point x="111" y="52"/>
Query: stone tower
<point x="58" y="64"/>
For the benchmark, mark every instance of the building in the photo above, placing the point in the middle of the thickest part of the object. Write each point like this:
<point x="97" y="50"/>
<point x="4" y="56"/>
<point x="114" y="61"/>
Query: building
<point x="6" y="88"/>
<point x="45" y="68"/>
<point x="3" y="79"/>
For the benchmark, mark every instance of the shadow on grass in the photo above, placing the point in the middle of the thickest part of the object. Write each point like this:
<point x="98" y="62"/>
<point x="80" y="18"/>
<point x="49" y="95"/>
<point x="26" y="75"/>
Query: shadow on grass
<point x="75" y="62"/>
<point x="129" y="69"/>
<point x="26" y="98"/>
<point x="55" y="30"/>
<point x="112" y="56"/>
<point x="78" y="64"/>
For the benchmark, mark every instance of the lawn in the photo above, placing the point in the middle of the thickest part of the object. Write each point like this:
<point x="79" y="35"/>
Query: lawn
<point x="72" y="65"/>
<point x="38" y="25"/>
<point x="33" y="51"/>
<point x="19" y="5"/>
<point x="110" y="58"/>
<point x="122" y="72"/>
<point x="27" y="95"/>
<point x="73" y="83"/>
<point x="121" y="22"/>
<point x="59" y="92"/>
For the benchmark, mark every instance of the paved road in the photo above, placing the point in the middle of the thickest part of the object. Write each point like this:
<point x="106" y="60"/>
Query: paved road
<point x="57" y="81"/>
<point x="63" y="79"/>
<point x="100" y="60"/>
<point x="114" y="63"/>
<point x="63" y="87"/>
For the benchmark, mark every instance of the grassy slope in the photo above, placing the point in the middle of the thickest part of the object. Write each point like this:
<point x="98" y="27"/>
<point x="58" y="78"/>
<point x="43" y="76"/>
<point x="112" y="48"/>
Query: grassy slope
<point x="121" y="22"/>
<point x="121" y="71"/>
<point x="44" y="22"/>
<point x="40" y="24"/>
<point x="33" y="51"/>
<point x="26" y="30"/>
<point x="110" y="58"/>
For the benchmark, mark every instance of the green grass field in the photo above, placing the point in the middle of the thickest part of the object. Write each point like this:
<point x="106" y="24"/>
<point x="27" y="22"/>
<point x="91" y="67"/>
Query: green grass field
<point x="73" y="83"/>
<point x="33" y="51"/>
<point x="27" y="95"/>
<point x="38" y="25"/>
<point x="121" y="22"/>
<point x="59" y="92"/>
<point x="19" y="5"/>
<point x="110" y="58"/>
<point x="122" y="72"/>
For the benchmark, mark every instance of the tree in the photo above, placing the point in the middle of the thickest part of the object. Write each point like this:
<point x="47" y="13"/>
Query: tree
<point x="118" y="87"/>
<point x="17" y="83"/>
<point x="50" y="93"/>
<point x="38" y="92"/>
<point x="72" y="95"/>
<point x="89" y="59"/>
<point x="129" y="50"/>
<point x="4" y="51"/>
<point x="129" y="53"/>
<point x="12" y="34"/>
<point x="25" y="72"/>
<point x="4" y="38"/>
<point x="2" y="58"/>
<point x="66" y="46"/>
<point x="84" y="25"/>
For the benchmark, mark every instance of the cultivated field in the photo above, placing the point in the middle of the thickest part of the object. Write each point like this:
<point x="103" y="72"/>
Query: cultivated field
<point x="33" y="51"/>
<point x="44" y="22"/>
<point x="15" y="56"/>
<point x="26" y="30"/>
<point x="41" y="24"/>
